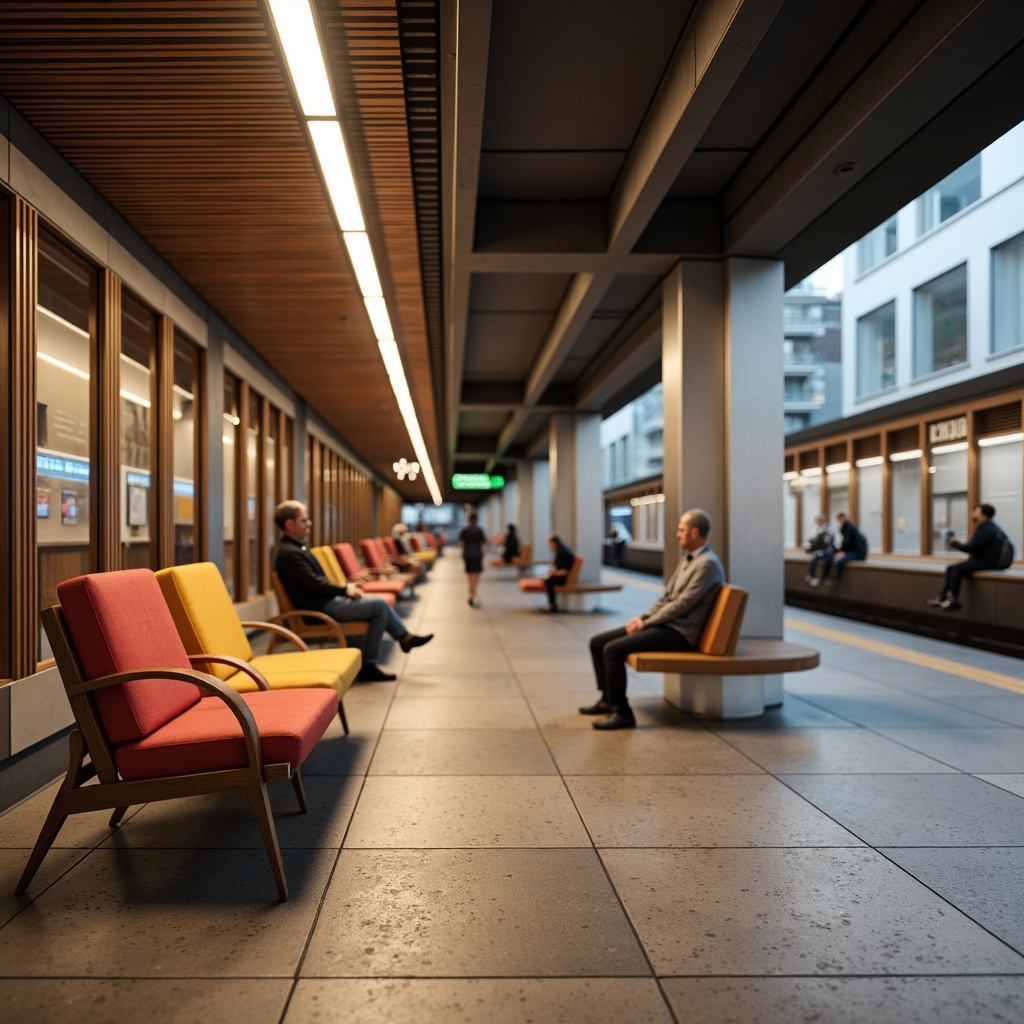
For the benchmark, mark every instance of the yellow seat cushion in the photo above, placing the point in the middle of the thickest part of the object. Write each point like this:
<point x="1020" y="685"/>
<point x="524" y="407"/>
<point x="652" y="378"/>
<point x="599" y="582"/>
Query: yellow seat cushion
<point x="336" y="669"/>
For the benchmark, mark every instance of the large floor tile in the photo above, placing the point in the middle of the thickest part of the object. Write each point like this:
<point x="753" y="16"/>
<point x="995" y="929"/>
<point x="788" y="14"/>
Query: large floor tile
<point x="968" y="750"/>
<point x="472" y="913"/>
<point x="1001" y="705"/>
<point x="462" y="752"/>
<point x="916" y="810"/>
<point x="685" y="750"/>
<point x="901" y="711"/>
<point x="1012" y="783"/>
<point x="19" y="827"/>
<point x="459" y="684"/>
<point x="987" y="884"/>
<point x="479" y="1001"/>
<point x="879" y="1000"/>
<point x="700" y="810"/>
<point x="453" y="811"/>
<point x="792" y="713"/>
<point x="460" y="713"/>
<point x="169" y="913"/>
<point x="12" y="866"/>
<point x="114" y="1001"/>
<point x="834" y="751"/>
<point x="774" y="912"/>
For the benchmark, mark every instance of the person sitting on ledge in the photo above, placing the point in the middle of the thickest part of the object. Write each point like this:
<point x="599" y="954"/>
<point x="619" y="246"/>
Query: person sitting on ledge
<point x="308" y="587"/>
<point x="983" y="547"/>
<point x="673" y="623"/>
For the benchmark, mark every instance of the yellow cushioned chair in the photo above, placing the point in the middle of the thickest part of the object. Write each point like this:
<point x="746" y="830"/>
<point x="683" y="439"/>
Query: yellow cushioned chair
<point x="333" y="571"/>
<point x="205" y="618"/>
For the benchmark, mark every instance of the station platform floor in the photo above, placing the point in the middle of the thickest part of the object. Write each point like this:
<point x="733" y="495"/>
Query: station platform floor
<point x="476" y="852"/>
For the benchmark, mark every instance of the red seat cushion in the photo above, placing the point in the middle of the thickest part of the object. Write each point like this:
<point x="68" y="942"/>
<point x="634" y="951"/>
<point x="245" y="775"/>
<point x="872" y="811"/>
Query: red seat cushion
<point x="118" y="622"/>
<point x="207" y="737"/>
<point x="532" y="584"/>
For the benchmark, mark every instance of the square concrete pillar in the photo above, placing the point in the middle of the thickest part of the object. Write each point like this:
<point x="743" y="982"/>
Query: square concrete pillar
<point x="577" y="505"/>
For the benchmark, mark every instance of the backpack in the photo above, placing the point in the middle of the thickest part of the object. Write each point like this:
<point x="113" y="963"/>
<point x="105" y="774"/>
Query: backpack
<point x="1005" y="557"/>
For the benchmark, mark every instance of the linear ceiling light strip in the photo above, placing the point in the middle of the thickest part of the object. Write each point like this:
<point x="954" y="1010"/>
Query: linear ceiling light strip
<point x="296" y="30"/>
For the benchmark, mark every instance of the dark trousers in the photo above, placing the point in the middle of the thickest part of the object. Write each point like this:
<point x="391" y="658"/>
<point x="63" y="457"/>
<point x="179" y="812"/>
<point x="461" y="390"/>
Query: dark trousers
<point x="836" y="565"/>
<point x="609" y="650"/>
<point x="550" y="582"/>
<point x="958" y="570"/>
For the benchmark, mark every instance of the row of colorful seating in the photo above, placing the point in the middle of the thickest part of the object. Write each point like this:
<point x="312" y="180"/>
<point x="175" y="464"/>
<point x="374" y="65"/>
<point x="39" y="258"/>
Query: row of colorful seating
<point x="150" y="725"/>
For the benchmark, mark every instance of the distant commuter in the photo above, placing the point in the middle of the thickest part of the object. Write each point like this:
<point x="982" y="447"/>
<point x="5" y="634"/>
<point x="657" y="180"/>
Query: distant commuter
<point x="821" y="546"/>
<point x="510" y="545"/>
<point x="561" y="563"/>
<point x="673" y="623"/>
<point x="617" y="545"/>
<point x="986" y="548"/>
<point x="308" y="587"/>
<point x="854" y="548"/>
<point x="473" y="541"/>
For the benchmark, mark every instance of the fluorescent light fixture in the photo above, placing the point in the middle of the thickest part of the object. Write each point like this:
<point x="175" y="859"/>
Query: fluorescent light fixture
<point x="987" y="442"/>
<point x="60" y="320"/>
<point x="359" y="251"/>
<point x="811" y="471"/>
<point x="837" y="467"/>
<point x="179" y="390"/>
<point x="54" y="361"/>
<point x="381" y="322"/>
<point x="233" y="420"/>
<point x="337" y="172"/>
<point x="791" y="475"/>
<point x="906" y="456"/>
<point x="396" y="373"/>
<point x="946" y="449"/>
<point x="134" y="399"/>
<point x="294" y="23"/>
<point x="874" y="460"/>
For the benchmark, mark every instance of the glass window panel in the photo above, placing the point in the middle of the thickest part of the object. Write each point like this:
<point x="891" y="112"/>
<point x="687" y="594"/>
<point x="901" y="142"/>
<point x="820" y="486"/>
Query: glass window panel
<point x="940" y="322"/>
<point x="876" y="350"/>
<point x="837" y="492"/>
<point x="1000" y="467"/>
<point x="876" y="245"/>
<point x="869" y="505"/>
<point x="229" y="482"/>
<point x="64" y="480"/>
<point x="810" y="503"/>
<point x="138" y="353"/>
<point x="1008" y="295"/>
<point x="252" y="455"/>
<point x="270" y="484"/>
<point x="947" y="486"/>
<point x="951" y="195"/>
<point x="905" y="477"/>
<point x="184" y="448"/>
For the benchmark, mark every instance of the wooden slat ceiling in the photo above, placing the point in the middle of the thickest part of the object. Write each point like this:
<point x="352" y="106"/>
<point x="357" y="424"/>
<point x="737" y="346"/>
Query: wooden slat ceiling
<point x="180" y="115"/>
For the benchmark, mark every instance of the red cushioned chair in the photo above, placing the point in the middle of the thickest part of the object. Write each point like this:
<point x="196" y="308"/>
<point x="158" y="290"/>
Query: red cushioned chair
<point x="355" y="572"/>
<point x="151" y="726"/>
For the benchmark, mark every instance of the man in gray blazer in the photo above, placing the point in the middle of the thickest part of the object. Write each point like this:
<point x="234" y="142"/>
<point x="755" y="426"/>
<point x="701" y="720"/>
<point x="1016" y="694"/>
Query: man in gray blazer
<point x="673" y="623"/>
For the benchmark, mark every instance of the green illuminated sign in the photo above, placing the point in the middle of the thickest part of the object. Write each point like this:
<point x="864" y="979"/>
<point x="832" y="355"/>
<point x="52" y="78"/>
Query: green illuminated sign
<point x="477" y="482"/>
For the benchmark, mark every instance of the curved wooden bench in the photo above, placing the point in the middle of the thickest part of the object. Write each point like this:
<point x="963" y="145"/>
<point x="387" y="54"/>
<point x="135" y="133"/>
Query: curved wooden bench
<point x="535" y="584"/>
<point x="726" y="676"/>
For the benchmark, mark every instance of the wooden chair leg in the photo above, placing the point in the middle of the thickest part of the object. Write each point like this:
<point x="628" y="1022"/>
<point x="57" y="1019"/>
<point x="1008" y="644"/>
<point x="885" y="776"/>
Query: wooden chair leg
<point x="259" y="801"/>
<point x="341" y="715"/>
<point x="115" y="818"/>
<point x="300" y="791"/>
<point x="57" y="816"/>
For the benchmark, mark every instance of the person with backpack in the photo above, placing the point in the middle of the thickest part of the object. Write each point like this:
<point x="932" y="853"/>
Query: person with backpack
<point x="853" y="545"/>
<point x="989" y="548"/>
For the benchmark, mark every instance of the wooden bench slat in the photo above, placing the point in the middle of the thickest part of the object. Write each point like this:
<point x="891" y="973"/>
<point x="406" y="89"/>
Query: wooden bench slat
<point x="752" y="657"/>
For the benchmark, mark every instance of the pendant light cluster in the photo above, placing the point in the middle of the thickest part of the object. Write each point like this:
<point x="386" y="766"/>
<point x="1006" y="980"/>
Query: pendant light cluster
<point x="296" y="30"/>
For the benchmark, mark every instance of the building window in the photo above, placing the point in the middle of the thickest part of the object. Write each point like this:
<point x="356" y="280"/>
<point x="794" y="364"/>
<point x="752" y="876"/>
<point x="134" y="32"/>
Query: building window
<point x="951" y="195"/>
<point x="1001" y="482"/>
<point x="253" y="444"/>
<point x="876" y="245"/>
<point x="64" y="477"/>
<point x="1008" y="295"/>
<point x="869" y="501"/>
<point x="185" y="447"/>
<point x="876" y="351"/>
<point x="229" y="480"/>
<point x="940" y="322"/>
<point x="947" y="484"/>
<point x="138" y="355"/>
<point x="905" y="476"/>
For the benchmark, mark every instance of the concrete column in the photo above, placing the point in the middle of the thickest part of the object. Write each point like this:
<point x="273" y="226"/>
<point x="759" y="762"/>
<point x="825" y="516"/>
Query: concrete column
<point x="522" y="515"/>
<point x="722" y="370"/>
<point x="542" y="527"/>
<point x="577" y="511"/>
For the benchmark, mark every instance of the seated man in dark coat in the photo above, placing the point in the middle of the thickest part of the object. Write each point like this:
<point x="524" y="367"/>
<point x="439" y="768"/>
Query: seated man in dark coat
<point x="983" y="547"/>
<point x="673" y="623"/>
<point x="307" y="586"/>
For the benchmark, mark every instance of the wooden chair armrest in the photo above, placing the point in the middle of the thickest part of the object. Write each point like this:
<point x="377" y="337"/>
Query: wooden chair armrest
<point x="320" y="617"/>
<point x="208" y="684"/>
<point x="273" y="627"/>
<point x="236" y="663"/>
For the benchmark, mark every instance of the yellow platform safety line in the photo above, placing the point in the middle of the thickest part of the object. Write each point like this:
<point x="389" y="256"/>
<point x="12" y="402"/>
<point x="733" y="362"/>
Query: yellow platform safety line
<point x="952" y="668"/>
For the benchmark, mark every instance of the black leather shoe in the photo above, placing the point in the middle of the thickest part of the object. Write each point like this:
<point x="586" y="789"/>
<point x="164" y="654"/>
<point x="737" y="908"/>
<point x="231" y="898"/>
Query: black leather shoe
<point x="371" y="674"/>
<point x="602" y="707"/>
<point x="616" y="721"/>
<point x="410" y="640"/>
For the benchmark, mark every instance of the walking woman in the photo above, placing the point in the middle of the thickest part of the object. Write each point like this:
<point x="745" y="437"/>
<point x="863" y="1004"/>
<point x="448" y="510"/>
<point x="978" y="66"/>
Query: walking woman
<point x="472" y="541"/>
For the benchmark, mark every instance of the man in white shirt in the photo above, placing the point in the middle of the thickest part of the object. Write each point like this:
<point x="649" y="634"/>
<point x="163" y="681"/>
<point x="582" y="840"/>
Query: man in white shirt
<point x="673" y="623"/>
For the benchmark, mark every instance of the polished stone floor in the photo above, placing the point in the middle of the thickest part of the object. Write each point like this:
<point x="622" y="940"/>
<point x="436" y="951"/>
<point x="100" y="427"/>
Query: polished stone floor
<point x="475" y="852"/>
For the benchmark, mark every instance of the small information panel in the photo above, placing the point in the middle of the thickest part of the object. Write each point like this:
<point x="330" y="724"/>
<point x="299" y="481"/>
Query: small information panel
<point x="477" y="482"/>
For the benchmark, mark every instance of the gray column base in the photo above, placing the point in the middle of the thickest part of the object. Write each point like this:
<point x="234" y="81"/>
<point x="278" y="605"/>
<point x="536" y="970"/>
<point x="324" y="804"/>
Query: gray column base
<point x="724" y="696"/>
